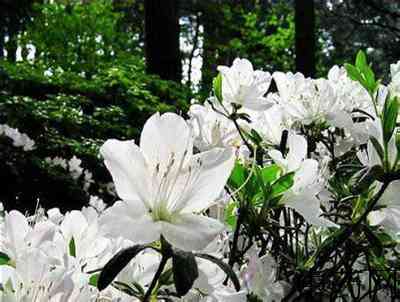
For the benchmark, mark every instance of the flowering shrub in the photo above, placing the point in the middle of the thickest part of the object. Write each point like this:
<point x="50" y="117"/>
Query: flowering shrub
<point x="260" y="195"/>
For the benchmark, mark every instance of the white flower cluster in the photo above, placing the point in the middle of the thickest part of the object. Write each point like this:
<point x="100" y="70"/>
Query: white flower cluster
<point x="180" y="169"/>
<point x="55" y="257"/>
<point x="73" y="166"/>
<point x="19" y="139"/>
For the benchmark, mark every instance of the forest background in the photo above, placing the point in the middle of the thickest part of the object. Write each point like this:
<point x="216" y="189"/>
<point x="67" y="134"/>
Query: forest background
<point x="76" y="72"/>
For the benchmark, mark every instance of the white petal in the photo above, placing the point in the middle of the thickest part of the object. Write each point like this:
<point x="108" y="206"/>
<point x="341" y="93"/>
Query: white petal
<point x="258" y="104"/>
<point x="309" y="207"/>
<point x="73" y="225"/>
<point x="164" y="136"/>
<point x="16" y="229"/>
<point x="306" y="175"/>
<point x="128" y="169"/>
<point x="191" y="232"/>
<point x="392" y="150"/>
<point x="130" y="222"/>
<point x="340" y="119"/>
<point x="376" y="217"/>
<point x="278" y="159"/>
<point x="297" y="150"/>
<point x="216" y="167"/>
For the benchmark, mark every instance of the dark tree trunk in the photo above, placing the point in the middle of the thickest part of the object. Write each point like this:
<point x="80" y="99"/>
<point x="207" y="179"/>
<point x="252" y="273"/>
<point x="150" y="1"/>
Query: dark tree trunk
<point x="305" y="37"/>
<point x="163" y="55"/>
<point x="2" y="37"/>
<point x="209" y="65"/>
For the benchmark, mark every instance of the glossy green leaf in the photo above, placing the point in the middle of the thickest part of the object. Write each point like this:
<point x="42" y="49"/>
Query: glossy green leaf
<point x="390" y="118"/>
<point x="270" y="173"/>
<point x="217" y="86"/>
<point x="4" y="259"/>
<point x="282" y="184"/>
<point x="94" y="279"/>
<point x="72" y="247"/>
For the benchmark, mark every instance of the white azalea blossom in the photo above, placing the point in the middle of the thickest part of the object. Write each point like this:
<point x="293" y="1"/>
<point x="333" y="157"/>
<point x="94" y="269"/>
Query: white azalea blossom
<point x="311" y="101"/>
<point x="164" y="186"/>
<point x="19" y="139"/>
<point x="212" y="129"/>
<point x="394" y="85"/>
<point x="302" y="195"/>
<point x="260" y="277"/>
<point x="270" y="124"/>
<point x="389" y="214"/>
<point x="178" y="183"/>
<point x="242" y="85"/>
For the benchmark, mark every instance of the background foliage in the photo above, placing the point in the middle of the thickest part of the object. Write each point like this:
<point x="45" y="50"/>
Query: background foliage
<point x="73" y="73"/>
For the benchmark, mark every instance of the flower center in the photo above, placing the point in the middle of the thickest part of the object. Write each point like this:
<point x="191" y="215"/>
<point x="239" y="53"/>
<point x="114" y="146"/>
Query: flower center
<point x="161" y="213"/>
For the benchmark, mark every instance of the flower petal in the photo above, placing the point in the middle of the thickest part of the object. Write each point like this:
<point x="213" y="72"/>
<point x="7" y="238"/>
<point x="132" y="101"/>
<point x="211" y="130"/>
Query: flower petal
<point x="191" y="232"/>
<point x="215" y="168"/>
<point x="128" y="169"/>
<point x="15" y="229"/>
<point x="130" y="221"/>
<point x="309" y="207"/>
<point x="163" y="137"/>
<point x="297" y="151"/>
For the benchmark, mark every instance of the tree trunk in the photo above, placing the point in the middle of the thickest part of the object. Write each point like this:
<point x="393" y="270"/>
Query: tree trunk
<point x="163" y="55"/>
<point x="305" y="37"/>
<point x="2" y="36"/>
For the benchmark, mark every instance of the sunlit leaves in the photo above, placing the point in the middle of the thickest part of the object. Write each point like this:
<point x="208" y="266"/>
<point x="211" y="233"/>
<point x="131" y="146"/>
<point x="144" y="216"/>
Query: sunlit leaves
<point x="390" y="113"/>
<point x="362" y="73"/>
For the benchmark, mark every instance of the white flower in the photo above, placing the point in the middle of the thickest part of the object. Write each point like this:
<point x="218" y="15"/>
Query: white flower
<point x="311" y="101"/>
<point x="243" y="86"/>
<point x="162" y="184"/>
<point x="270" y="124"/>
<point x="260" y="278"/>
<point x="351" y="94"/>
<point x="212" y="129"/>
<point x="19" y="236"/>
<point x="374" y="129"/>
<point x="97" y="203"/>
<point x="90" y="246"/>
<point x="19" y="139"/>
<point x="394" y="86"/>
<point x="389" y="215"/>
<point x="37" y="277"/>
<point x="75" y="168"/>
<point x="302" y="195"/>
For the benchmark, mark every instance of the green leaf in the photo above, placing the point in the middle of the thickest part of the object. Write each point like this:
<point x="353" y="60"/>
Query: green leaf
<point x="238" y="175"/>
<point x="374" y="240"/>
<point x="270" y="173"/>
<point x="230" y="215"/>
<point x="217" y="86"/>
<point x="4" y="259"/>
<point x="378" y="148"/>
<point x="255" y="137"/>
<point x="390" y="119"/>
<point x="354" y="74"/>
<point x="361" y="60"/>
<point x="94" y="279"/>
<point x="185" y="271"/>
<point x="363" y="179"/>
<point x="72" y="247"/>
<point x="224" y="266"/>
<point x="283" y="184"/>
<point x="127" y="289"/>
<point x="117" y="264"/>
<point x="166" y="277"/>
